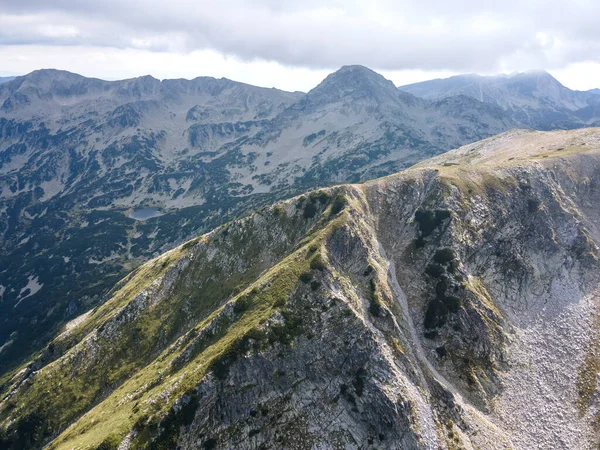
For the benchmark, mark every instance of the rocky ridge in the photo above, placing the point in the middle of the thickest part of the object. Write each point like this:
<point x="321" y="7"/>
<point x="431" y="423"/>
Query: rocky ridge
<point x="535" y="99"/>
<point x="453" y="305"/>
<point x="78" y="155"/>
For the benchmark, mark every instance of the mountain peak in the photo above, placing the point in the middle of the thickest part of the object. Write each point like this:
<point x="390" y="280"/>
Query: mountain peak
<point x="356" y="74"/>
<point x="354" y="83"/>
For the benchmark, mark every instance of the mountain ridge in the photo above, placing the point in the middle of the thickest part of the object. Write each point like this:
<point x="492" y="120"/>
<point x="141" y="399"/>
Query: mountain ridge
<point x="78" y="156"/>
<point x="428" y="309"/>
<point x="535" y="99"/>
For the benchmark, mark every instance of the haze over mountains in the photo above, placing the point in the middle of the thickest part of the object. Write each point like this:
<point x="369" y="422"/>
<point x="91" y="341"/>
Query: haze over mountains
<point x="77" y="155"/>
<point x="534" y="99"/>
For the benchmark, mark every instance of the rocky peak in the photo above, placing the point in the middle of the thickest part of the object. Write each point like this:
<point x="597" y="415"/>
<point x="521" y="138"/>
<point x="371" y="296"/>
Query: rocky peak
<point x="354" y="83"/>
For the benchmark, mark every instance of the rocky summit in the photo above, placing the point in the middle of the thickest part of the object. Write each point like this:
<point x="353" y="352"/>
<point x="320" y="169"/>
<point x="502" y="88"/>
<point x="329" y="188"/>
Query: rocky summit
<point x="452" y="305"/>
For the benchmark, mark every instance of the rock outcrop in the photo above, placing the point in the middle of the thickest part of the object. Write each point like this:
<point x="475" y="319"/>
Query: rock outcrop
<point x="453" y="305"/>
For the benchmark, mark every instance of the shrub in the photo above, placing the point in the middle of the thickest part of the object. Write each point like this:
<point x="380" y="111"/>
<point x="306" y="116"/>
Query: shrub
<point x="241" y="305"/>
<point x="428" y="221"/>
<point x="221" y="364"/>
<point x="319" y="196"/>
<point x="359" y="381"/>
<point x="441" y="215"/>
<point x="281" y="301"/>
<point x="444" y="256"/>
<point x="452" y="303"/>
<point x="434" y="270"/>
<point x="209" y="444"/>
<point x="436" y="314"/>
<point x="305" y="277"/>
<point x="189" y="244"/>
<point x="431" y="334"/>
<point x="284" y="334"/>
<point x="310" y="209"/>
<point x="533" y="205"/>
<point x="339" y="203"/>
<point x="375" y="307"/>
<point x="425" y="221"/>
<point x="318" y="263"/>
<point x="375" y="304"/>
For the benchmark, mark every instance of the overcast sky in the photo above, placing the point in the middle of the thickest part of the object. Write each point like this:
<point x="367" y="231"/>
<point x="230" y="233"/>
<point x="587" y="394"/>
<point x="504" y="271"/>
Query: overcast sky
<point x="293" y="44"/>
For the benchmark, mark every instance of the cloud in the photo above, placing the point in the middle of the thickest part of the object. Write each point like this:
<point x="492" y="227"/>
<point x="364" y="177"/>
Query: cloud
<point x="465" y="35"/>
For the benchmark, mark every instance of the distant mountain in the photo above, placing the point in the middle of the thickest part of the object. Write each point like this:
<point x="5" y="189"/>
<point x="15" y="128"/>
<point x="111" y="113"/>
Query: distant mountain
<point x="5" y="79"/>
<point x="534" y="99"/>
<point x="594" y="91"/>
<point x="78" y="155"/>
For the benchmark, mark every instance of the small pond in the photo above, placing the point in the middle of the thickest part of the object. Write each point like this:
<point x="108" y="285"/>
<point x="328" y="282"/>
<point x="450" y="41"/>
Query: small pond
<point x="145" y="213"/>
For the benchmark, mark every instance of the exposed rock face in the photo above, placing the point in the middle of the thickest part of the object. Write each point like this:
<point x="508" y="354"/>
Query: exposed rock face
<point x="77" y="155"/>
<point x="453" y="305"/>
<point x="534" y="99"/>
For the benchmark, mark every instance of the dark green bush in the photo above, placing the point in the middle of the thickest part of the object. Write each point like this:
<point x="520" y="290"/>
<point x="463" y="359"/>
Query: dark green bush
<point x="431" y="334"/>
<point x="339" y="203"/>
<point x="319" y="196"/>
<point x="444" y="256"/>
<point x="318" y="263"/>
<point x="310" y="209"/>
<point x="241" y="305"/>
<point x="305" y="277"/>
<point x="452" y="303"/>
<point x="284" y="334"/>
<point x="375" y="307"/>
<point x="434" y="270"/>
<point x="425" y="221"/>
<point x="533" y="204"/>
<point x="189" y="244"/>
<point x="209" y="444"/>
<point x="436" y="314"/>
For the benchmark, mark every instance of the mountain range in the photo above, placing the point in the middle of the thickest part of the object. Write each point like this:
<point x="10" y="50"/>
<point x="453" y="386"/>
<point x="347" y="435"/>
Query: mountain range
<point x="534" y="99"/>
<point x="452" y="305"/>
<point x="82" y="160"/>
<point x="78" y="155"/>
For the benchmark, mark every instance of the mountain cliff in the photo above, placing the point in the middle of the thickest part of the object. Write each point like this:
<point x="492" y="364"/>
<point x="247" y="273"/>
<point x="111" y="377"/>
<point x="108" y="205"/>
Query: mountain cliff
<point x="78" y="156"/>
<point x="534" y="99"/>
<point x="453" y="305"/>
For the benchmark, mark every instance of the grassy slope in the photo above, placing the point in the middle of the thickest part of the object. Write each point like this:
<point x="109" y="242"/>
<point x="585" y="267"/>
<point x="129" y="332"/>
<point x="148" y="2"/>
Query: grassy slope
<point x="139" y="360"/>
<point x="147" y="359"/>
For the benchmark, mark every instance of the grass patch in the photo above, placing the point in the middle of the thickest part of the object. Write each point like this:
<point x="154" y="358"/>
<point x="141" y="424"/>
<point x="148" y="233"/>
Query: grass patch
<point x="217" y="354"/>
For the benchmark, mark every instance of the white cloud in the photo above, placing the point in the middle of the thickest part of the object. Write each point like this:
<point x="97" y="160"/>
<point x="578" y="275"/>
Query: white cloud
<point x="291" y="44"/>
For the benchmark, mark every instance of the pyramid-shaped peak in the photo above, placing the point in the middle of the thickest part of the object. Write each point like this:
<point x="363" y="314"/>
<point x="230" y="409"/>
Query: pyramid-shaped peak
<point x="354" y="83"/>
<point x="356" y="75"/>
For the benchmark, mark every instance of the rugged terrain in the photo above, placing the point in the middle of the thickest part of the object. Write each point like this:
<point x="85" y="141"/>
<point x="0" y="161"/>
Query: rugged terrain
<point x="453" y="305"/>
<point x="78" y="155"/>
<point x="534" y="99"/>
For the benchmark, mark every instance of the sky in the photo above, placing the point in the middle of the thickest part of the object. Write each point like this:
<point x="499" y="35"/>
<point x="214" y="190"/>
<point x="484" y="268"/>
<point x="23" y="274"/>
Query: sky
<point x="293" y="45"/>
